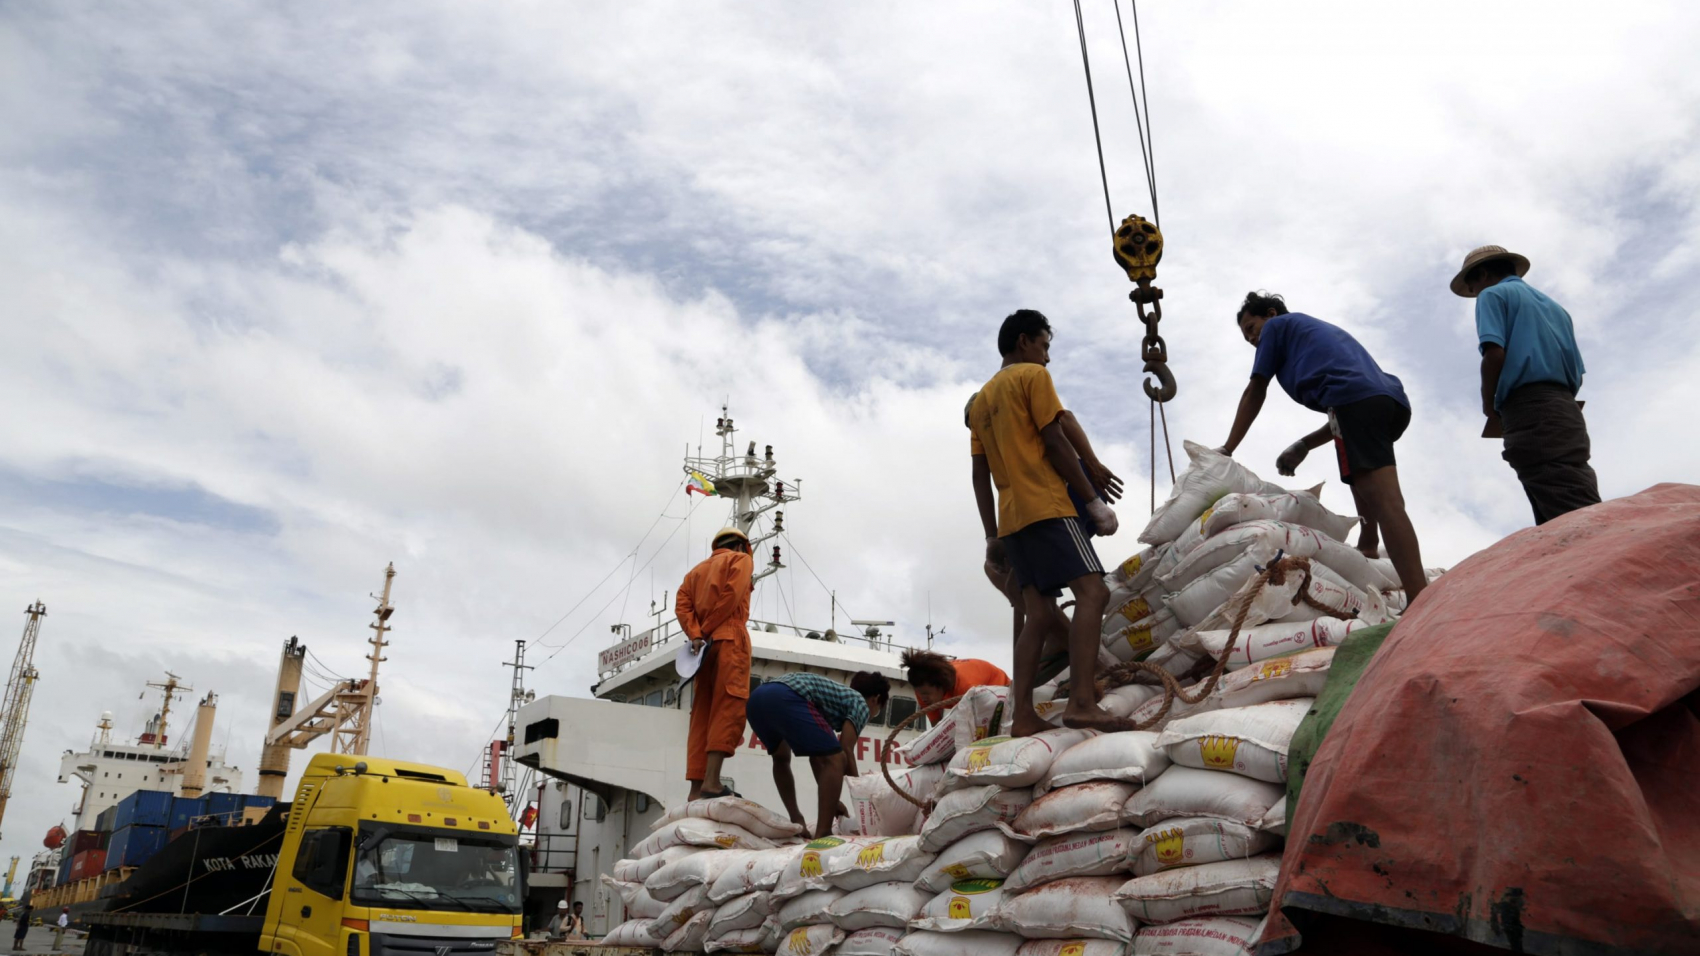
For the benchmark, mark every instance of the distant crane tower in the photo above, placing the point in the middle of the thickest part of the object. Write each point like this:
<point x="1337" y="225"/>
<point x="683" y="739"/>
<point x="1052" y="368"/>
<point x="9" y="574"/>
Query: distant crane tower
<point x="16" y="710"/>
<point x="11" y="873"/>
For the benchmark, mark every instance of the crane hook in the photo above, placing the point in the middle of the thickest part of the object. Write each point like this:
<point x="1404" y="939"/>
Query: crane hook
<point x="1138" y="247"/>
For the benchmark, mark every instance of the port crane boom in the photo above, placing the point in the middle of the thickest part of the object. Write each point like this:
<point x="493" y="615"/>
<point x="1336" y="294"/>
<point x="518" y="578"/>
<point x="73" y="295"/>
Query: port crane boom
<point x="14" y="713"/>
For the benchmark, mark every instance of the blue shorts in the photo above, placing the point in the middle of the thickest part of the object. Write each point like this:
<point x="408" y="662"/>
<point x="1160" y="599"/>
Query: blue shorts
<point x="780" y="715"/>
<point x="1050" y="553"/>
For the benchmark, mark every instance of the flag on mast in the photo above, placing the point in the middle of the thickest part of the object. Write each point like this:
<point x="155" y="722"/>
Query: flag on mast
<point x="700" y="484"/>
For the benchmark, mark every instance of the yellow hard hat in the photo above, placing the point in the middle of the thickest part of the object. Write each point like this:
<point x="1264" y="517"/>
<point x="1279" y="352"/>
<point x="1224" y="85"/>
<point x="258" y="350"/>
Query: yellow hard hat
<point x="731" y="532"/>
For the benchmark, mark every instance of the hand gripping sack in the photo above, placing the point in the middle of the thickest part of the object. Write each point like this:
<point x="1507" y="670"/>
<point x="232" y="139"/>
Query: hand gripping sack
<point x="738" y="811"/>
<point x="1072" y="947"/>
<point x="1210" y="476"/>
<point x="638" y="869"/>
<point x="1096" y="805"/>
<point x="877" y="941"/>
<point x="1128" y="756"/>
<point x="680" y="911"/>
<point x="987" y="855"/>
<point x="760" y="871"/>
<point x="1199" y="936"/>
<point x="1267" y="641"/>
<point x="700" y="869"/>
<point x="690" y="937"/>
<point x="966" y="904"/>
<point x="891" y="904"/>
<point x="1010" y="761"/>
<point x="704" y="833"/>
<point x="1193" y="841"/>
<point x="808" y="908"/>
<point x="970" y="943"/>
<point x="1233" y="888"/>
<point x="812" y="940"/>
<point x="1067" y="909"/>
<point x="962" y="812"/>
<point x="1293" y="507"/>
<point x="745" y="912"/>
<point x="744" y="941"/>
<point x="1188" y="792"/>
<point x="869" y="860"/>
<point x="634" y="932"/>
<point x="1250" y="741"/>
<point x="1099" y="853"/>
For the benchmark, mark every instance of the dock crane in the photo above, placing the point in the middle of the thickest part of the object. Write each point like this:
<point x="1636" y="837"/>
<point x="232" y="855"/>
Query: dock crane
<point x="15" y="712"/>
<point x="11" y="873"/>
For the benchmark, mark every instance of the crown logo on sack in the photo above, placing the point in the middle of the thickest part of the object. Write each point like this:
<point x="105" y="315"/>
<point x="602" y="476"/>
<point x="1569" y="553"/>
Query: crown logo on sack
<point x="1131" y="567"/>
<point x="957" y="870"/>
<point x="1134" y="609"/>
<point x="871" y="855"/>
<point x="1072" y="949"/>
<point x="1218" y="751"/>
<point x="798" y="942"/>
<point x="1170" y="845"/>
<point x="1279" y="667"/>
<point x="959" y="908"/>
<point x="725" y="840"/>
<point x="1138" y="638"/>
<point x="978" y="758"/>
<point x="811" y="863"/>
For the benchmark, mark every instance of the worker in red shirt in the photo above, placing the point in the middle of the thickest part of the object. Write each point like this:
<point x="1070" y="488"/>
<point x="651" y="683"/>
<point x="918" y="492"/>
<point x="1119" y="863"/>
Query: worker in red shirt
<point x="712" y="605"/>
<point x="936" y="677"/>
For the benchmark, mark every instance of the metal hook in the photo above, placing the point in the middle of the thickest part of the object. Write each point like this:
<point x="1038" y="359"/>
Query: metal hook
<point x="1166" y="390"/>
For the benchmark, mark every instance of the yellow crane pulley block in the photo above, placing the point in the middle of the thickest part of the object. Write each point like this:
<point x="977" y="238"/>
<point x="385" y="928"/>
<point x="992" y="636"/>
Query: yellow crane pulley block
<point x="1138" y="248"/>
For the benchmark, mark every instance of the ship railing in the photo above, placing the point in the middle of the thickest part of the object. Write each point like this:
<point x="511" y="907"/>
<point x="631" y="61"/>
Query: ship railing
<point x="667" y="638"/>
<point x="554" y="853"/>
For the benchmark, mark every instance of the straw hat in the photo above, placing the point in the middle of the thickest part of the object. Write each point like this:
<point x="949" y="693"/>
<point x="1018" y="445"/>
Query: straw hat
<point x="1486" y="254"/>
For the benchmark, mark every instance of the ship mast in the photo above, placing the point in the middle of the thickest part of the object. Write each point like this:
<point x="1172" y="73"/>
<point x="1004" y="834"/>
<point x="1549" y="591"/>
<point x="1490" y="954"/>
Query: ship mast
<point x="751" y="484"/>
<point x="353" y="732"/>
<point x="15" y="713"/>
<point x="171" y="690"/>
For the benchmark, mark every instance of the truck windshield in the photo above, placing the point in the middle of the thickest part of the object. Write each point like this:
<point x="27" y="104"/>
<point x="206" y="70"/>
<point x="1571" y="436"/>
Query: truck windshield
<point x="422" y="868"/>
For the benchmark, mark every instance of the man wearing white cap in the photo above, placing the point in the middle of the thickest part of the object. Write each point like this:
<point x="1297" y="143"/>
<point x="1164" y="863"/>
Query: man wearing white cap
<point x="1531" y="371"/>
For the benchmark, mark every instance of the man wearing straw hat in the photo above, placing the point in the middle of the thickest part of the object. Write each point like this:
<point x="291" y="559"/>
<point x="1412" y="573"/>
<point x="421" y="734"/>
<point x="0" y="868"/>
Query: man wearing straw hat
<point x="1531" y="371"/>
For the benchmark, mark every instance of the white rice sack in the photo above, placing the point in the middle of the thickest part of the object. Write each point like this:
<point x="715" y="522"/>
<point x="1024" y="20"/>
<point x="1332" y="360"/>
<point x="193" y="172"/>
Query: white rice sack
<point x="1137" y="571"/>
<point x="1010" y="761"/>
<point x="971" y="810"/>
<point x="1293" y="507"/>
<point x="1282" y="678"/>
<point x="1067" y="909"/>
<point x="971" y="943"/>
<point x="982" y="712"/>
<point x="1075" y="854"/>
<point x="1200" y="586"/>
<point x="1267" y="601"/>
<point x="698" y="869"/>
<point x="748" y="814"/>
<point x="760" y="871"/>
<point x="703" y="833"/>
<point x="1124" y="700"/>
<point x="1210" y="476"/>
<point x="638" y="869"/>
<point x="1266" y="641"/>
<point x="812" y="940"/>
<point x="1275" y="821"/>
<point x="1129" y="756"/>
<point x="745" y="912"/>
<point x="965" y="905"/>
<point x="1187" y="792"/>
<point x="1135" y="609"/>
<point x="1146" y="713"/>
<point x="807" y="870"/>
<point x="634" y="932"/>
<point x="1250" y="741"/>
<point x="680" y="911"/>
<point x="891" y="904"/>
<point x="1192" y="841"/>
<point x="1176" y="661"/>
<point x="1072" y="947"/>
<point x="877" y="941"/>
<point x="639" y="904"/>
<point x="807" y="908"/>
<point x="987" y="855"/>
<point x="868" y="860"/>
<point x="1232" y="888"/>
<point x="878" y="810"/>
<point x="691" y="937"/>
<point x="1135" y="641"/>
<point x="1199" y="936"/>
<point x="748" y="941"/>
<point x="1095" y="805"/>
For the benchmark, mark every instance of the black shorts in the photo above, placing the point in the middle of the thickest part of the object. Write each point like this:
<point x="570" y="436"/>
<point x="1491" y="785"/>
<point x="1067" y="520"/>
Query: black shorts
<point x="1050" y="553"/>
<point x="1364" y="433"/>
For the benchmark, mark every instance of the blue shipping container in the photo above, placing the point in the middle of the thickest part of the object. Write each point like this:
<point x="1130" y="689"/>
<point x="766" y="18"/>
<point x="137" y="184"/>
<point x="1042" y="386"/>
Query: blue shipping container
<point x="64" y="870"/>
<point x="185" y="809"/>
<point x="146" y="808"/>
<point x="227" y="807"/>
<point x="132" y="846"/>
<point x="258" y="801"/>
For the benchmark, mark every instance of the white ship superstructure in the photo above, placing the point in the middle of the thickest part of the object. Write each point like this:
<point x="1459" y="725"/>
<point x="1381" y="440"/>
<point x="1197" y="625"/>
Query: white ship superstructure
<point x="611" y="764"/>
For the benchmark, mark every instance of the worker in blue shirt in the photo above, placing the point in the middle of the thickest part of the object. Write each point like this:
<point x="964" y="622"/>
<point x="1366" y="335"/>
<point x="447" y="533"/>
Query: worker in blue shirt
<point x="1326" y="370"/>
<point x="1531" y="372"/>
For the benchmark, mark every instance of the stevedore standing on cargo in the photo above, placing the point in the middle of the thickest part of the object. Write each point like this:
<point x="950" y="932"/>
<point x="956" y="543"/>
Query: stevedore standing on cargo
<point x="816" y="717"/>
<point x="1531" y="372"/>
<point x="712" y="605"/>
<point x="1325" y="369"/>
<point x="1018" y="444"/>
<point x="936" y="677"/>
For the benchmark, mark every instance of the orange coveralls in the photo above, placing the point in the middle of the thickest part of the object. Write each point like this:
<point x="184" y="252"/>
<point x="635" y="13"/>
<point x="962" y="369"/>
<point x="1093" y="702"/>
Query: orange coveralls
<point x="971" y="673"/>
<point x="713" y="602"/>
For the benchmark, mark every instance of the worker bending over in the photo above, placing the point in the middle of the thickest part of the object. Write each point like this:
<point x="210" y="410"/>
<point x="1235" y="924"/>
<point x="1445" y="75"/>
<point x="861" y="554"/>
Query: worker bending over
<point x="712" y="605"/>
<point x="936" y="677"/>
<point x="1018" y="444"/>
<point x="1531" y="372"/>
<point x="818" y="718"/>
<point x="1324" y="369"/>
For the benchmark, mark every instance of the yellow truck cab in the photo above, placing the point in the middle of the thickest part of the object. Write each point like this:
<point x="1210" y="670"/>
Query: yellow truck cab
<point x="385" y="858"/>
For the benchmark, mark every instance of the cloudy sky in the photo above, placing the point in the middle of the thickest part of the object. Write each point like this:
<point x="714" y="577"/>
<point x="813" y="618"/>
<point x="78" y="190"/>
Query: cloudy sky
<point x="295" y="291"/>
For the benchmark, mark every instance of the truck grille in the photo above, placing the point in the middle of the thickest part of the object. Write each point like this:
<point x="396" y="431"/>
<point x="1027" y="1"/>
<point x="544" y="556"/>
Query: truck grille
<point x="385" y="944"/>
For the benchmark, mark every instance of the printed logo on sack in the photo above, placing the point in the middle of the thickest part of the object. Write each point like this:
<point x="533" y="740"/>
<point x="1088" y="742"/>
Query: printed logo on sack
<point x="1139" y="638"/>
<point x="810" y="865"/>
<point x="1072" y="949"/>
<point x="1218" y="751"/>
<point x="798" y="942"/>
<point x="957" y="870"/>
<point x="871" y="855"/>
<point x="978" y="758"/>
<point x="991" y="726"/>
<point x="725" y="841"/>
<point x="1131" y="566"/>
<point x="1134" y="609"/>
<point x="974" y="887"/>
<point x="959" y="908"/>
<point x="1204" y="518"/>
<point x="1279" y="667"/>
<point x="1170" y="845"/>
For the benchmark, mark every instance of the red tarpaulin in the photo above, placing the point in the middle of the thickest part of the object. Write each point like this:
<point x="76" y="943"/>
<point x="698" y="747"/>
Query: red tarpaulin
<point x="1520" y="763"/>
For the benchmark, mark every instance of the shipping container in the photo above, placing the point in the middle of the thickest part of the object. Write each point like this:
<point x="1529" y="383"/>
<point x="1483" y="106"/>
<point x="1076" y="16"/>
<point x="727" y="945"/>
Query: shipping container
<point x="88" y="863"/>
<point x="225" y="807"/>
<point x="184" y="810"/>
<point x="85" y="840"/>
<point x="133" y="845"/>
<point x="103" y="821"/>
<point x="147" y="808"/>
<point x="64" y="874"/>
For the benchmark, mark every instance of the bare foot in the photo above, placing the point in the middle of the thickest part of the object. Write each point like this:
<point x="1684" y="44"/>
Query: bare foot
<point x="1090" y="718"/>
<point x="1027" y="724"/>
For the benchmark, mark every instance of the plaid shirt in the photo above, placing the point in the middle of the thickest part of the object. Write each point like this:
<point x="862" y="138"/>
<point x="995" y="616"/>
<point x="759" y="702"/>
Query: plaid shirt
<point x="836" y="702"/>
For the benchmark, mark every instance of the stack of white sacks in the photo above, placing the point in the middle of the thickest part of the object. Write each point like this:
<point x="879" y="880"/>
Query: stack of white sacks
<point x="1069" y="843"/>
